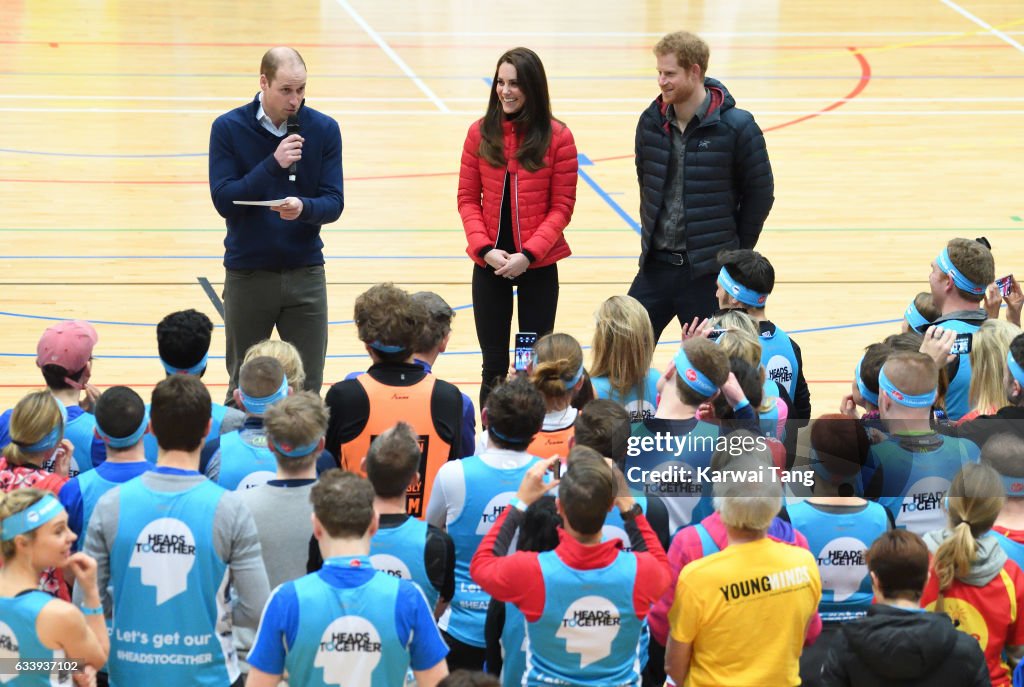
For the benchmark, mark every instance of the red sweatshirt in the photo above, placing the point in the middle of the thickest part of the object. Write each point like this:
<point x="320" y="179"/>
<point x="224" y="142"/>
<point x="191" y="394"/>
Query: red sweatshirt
<point x="518" y="579"/>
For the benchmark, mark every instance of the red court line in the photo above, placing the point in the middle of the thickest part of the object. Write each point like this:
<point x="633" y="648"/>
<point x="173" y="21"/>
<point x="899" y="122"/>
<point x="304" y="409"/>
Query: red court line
<point x="862" y="83"/>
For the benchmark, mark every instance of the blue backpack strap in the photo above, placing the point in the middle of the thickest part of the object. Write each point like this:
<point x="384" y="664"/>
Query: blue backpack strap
<point x="708" y="545"/>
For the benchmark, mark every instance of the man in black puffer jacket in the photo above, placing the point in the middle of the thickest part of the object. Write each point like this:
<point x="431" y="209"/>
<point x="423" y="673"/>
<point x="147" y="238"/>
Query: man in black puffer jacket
<point x="705" y="184"/>
<point x="900" y="644"/>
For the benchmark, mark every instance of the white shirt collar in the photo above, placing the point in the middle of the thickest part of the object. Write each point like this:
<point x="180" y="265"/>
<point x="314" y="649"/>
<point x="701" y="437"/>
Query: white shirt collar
<point x="263" y="119"/>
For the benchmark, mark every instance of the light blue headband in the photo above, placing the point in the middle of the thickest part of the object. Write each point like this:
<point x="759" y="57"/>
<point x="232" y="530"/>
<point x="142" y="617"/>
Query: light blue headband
<point x="1014" y="486"/>
<point x="961" y="281"/>
<point x="691" y="376"/>
<point x="924" y="400"/>
<point x="511" y="440"/>
<point x="739" y="291"/>
<point x="52" y="438"/>
<point x="257" y="406"/>
<point x="1015" y="369"/>
<point x="570" y="383"/>
<point x="386" y="348"/>
<point x="914" y="317"/>
<point x="289" y="451"/>
<point x="35" y="516"/>
<point x="868" y="394"/>
<point x="128" y="441"/>
<point x="194" y="370"/>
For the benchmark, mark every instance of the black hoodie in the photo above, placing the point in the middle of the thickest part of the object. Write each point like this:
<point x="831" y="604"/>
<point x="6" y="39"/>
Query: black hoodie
<point x="894" y="647"/>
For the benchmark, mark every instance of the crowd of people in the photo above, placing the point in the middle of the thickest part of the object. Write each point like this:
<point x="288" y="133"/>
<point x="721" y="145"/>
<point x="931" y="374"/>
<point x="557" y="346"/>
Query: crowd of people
<point x="610" y="523"/>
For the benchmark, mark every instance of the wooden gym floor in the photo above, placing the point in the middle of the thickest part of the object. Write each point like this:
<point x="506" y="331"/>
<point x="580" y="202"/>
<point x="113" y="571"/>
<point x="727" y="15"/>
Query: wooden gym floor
<point x="892" y="127"/>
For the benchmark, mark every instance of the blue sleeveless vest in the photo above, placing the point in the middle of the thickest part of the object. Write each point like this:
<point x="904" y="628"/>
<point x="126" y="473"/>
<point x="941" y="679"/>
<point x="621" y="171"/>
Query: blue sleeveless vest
<point x="243" y="465"/>
<point x="80" y="432"/>
<point x="839" y="542"/>
<point x="588" y="633"/>
<point x="1014" y="550"/>
<point x="957" y="402"/>
<point x="915" y="482"/>
<point x="513" y="647"/>
<point x="686" y="501"/>
<point x="779" y="359"/>
<point x="488" y="491"/>
<point x="18" y="638"/>
<point x="347" y="635"/>
<point x="398" y="551"/>
<point x="163" y="565"/>
<point x="217" y="412"/>
<point x="92" y="486"/>
<point x="769" y="419"/>
<point x="638" y="410"/>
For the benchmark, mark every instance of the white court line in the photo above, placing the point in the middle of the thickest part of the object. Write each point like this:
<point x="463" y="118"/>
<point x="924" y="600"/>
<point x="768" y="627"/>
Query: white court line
<point x="204" y="98"/>
<point x="383" y="44"/>
<point x="476" y="113"/>
<point x="982" y="23"/>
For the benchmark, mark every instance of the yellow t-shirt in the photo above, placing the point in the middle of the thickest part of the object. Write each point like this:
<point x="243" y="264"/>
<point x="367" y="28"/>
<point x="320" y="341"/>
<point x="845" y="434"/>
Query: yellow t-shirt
<point x="745" y="611"/>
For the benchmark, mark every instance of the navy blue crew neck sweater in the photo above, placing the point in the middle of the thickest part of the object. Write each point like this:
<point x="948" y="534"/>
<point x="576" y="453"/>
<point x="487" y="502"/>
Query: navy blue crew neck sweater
<point x="242" y="167"/>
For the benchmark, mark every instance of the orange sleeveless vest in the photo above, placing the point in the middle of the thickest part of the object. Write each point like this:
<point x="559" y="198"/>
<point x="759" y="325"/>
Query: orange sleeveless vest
<point x="388" y="405"/>
<point x="553" y="443"/>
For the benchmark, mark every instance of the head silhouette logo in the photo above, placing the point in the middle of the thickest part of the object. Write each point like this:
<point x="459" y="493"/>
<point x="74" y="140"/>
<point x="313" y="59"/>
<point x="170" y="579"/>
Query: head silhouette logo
<point x="589" y="627"/>
<point x="842" y="567"/>
<point x="391" y="565"/>
<point x="492" y="510"/>
<point x="164" y="553"/>
<point x="8" y="652"/>
<point x="350" y="650"/>
<point x="779" y="371"/>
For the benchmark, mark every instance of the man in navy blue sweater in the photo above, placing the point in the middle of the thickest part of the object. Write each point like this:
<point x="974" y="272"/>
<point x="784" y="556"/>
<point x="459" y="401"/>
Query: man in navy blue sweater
<point x="273" y="257"/>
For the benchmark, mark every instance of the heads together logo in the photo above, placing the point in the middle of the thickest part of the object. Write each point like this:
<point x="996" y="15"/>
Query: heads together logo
<point x="589" y="627"/>
<point x="922" y="506"/>
<point x="349" y="651"/>
<point x="255" y="479"/>
<point x="843" y="567"/>
<point x="779" y="370"/>
<point x="164" y="552"/>
<point x="8" y="652"/>
<point x="492" y="511"/>
<point x="391" y="565"/>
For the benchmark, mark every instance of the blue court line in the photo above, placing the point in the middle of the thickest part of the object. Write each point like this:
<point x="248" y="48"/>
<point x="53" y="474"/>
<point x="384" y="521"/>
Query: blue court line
<point x="363" y="355"/>
<point x="603" y="195"/>
<point x="153" y="324"/>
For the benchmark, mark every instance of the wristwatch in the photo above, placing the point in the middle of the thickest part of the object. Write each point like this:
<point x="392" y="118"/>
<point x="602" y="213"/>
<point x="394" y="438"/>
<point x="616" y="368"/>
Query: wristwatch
<point x="631" y="514"/>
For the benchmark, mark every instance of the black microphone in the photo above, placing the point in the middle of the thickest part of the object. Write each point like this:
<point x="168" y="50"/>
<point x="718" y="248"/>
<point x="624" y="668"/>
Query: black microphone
<point x="293" y="128"/>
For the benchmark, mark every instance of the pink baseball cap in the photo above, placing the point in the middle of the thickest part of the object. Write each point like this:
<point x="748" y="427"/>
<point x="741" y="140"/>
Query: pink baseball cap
<point x="67" y="344"/>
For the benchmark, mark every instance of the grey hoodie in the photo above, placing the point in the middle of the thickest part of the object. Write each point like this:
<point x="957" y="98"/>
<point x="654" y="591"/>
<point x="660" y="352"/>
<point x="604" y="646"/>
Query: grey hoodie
<point x="986" y="565"/>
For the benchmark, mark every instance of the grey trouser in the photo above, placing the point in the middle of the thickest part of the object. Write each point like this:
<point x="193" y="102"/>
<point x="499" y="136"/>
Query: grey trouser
<point x="293" y="300"/>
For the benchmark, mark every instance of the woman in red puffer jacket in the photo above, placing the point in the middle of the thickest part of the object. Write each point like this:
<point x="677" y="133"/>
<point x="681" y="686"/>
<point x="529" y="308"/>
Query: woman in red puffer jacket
<point x="517" y="189"/>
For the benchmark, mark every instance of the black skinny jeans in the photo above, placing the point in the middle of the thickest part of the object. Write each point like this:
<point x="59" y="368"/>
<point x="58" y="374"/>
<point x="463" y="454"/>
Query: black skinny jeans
<point x="492" y="313"/>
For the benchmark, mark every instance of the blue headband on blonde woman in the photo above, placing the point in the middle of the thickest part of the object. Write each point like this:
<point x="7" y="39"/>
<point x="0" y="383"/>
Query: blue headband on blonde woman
<point x="52" y="438"/>
<point x="570" y="383"/>
<point x="194" y="370"/>
<point x="739" y="291"/>
<point x="924" y="400"/>
<point x="868" y="395"/>
<point x="35" y="516"/>
<point x="692" y="377"/>
<point x="914" y="317"/>
<point x="257" y="406"/>
<point x="959" y="278"/>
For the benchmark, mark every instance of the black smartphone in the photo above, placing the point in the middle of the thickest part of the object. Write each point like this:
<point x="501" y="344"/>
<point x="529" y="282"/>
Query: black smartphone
<point x="557" y="469"/>
<point x="961" y="344"/>
<point x="524" y="350"/>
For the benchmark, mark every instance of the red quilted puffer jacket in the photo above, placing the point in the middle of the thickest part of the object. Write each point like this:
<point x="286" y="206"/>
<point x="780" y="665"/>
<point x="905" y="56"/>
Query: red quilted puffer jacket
<point x="542" y="201"/>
